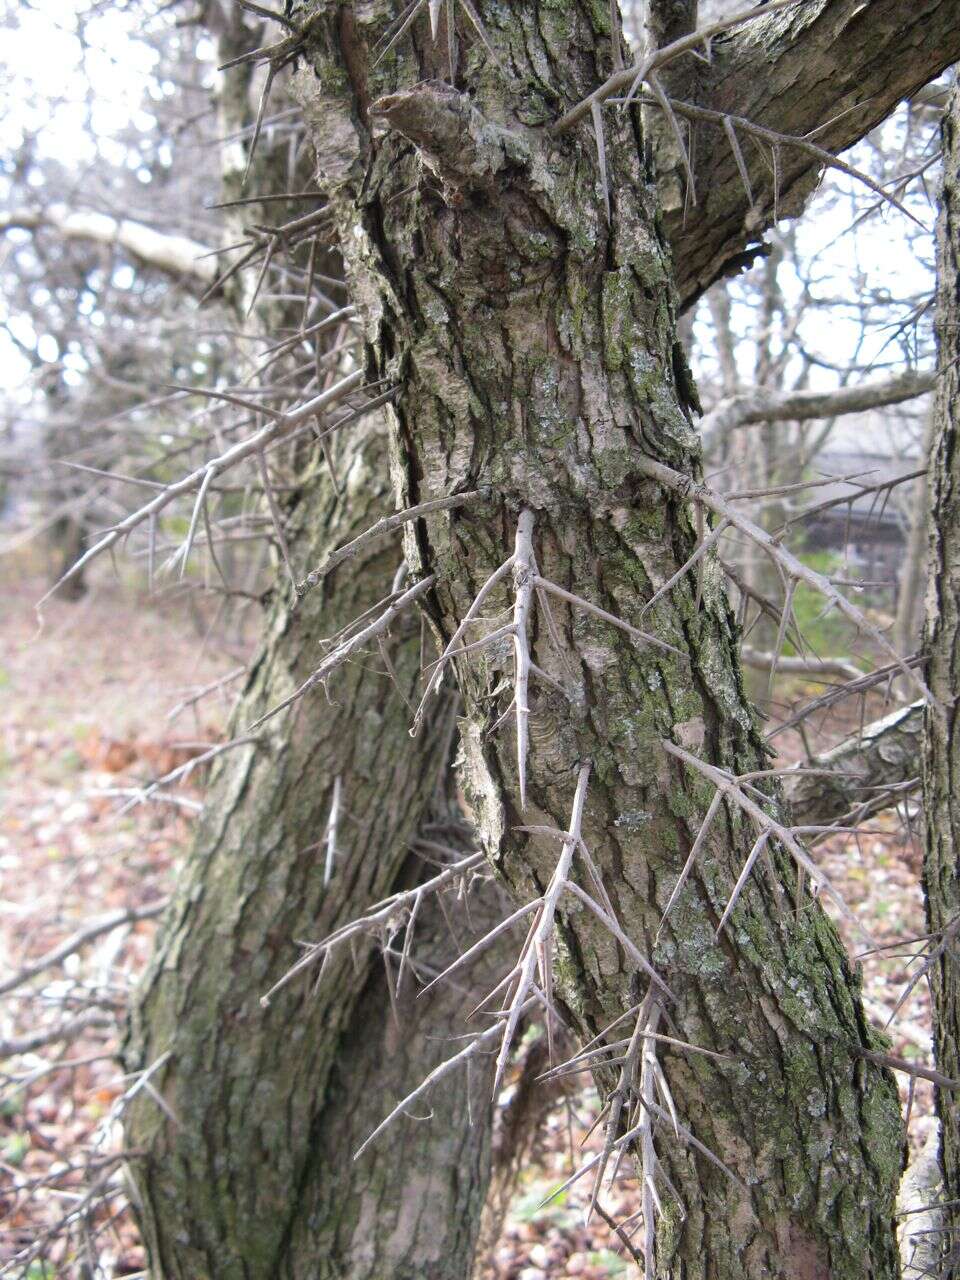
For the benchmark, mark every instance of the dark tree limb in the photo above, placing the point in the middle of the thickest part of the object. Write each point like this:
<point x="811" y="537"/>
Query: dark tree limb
<point x="835" y="68"/>
<point x="942" y="641"/>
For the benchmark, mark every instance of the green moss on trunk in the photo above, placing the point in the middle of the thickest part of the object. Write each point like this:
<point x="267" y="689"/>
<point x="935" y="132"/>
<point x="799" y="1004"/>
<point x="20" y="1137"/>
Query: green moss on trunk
<point x="534" y="345"/>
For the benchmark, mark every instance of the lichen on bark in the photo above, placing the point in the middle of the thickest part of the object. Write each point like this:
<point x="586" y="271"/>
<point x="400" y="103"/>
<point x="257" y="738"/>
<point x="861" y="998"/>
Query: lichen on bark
<point x="942" y="642"/>
<point x="535" y="347"/>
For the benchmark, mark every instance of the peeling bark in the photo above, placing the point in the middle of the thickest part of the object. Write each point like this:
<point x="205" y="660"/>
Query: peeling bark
<point x="535" y="347"/>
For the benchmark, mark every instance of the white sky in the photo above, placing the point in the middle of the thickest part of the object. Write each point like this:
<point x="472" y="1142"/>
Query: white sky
<point x="42" y="59"/>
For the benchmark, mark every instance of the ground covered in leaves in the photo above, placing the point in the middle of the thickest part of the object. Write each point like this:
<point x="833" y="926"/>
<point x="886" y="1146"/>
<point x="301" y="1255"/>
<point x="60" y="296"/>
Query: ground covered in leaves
<point x="86" y="701"/>
<point x="86" y="723"/>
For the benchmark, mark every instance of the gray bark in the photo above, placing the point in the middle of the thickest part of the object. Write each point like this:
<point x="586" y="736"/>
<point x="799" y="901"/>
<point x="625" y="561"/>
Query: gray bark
<point x="942" y="755"/>
<point x="244" y="1104"/>
<point x="268" y="1102"/>
<point x="921" y="1219"/>
<point x="535" y="349"/>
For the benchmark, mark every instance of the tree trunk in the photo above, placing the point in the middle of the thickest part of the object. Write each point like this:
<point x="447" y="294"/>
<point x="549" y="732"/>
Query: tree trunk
<point x="269" y="1101"/>
<point x="68" y="541"/>
<point x="410" y="1207"/>
<point x="942" y="755"/>
<point x="534" y="345"/>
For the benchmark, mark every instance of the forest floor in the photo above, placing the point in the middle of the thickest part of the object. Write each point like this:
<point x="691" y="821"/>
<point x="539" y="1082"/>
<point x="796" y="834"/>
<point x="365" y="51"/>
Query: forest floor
<point x="85" y="721"/>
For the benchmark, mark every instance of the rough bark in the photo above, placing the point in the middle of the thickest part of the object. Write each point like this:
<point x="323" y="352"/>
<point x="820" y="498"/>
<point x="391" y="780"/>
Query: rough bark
<point x="410" y="1208"/>
<point x="660" y="23"/>
<point x="535" y="348"/>
<point x="829" y="68"/>
<point x="269" y="1101"/>
<point x="921" y="1219"/>
<point x="942" y="755"/>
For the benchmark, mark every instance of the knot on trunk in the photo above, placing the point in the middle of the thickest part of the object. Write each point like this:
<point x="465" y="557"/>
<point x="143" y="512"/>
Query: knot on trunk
<point x="458" y="143"/>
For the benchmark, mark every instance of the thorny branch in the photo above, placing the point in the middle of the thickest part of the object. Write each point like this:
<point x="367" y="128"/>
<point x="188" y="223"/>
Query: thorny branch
<point x="793" y="567"/>
<point x="280" y="424"/>
<point x="387" y="525"/>
<point x="347" y="648"/>
<point x="631" y="78"/>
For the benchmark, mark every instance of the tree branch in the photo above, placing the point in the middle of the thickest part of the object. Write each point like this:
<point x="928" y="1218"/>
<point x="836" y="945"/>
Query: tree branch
<point x="176" y="255"/>
<point x="884" y="756"/>
<point x="763" y="405"/>
<point x="829" y="68"/>
<point x="762" y="660"/>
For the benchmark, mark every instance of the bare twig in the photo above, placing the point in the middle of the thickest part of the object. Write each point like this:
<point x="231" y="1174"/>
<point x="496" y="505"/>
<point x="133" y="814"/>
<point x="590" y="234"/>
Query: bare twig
<point x="130" y="915"/>
<point x="387" y="525"/>
<point x="332" y="822"/>
<point x="732" y="787"/>
<point x="543" y="926"/>
<point x="523" y="577"/>
<point x="374" y="919"/>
